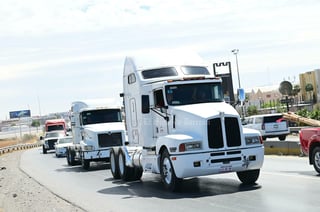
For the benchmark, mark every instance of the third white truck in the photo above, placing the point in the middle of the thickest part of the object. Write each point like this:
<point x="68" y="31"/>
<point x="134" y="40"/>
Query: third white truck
<point x="179" y="125"/>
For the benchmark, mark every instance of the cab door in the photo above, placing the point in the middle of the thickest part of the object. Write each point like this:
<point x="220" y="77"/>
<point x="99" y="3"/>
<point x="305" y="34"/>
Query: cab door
<point x="159" y="115"/>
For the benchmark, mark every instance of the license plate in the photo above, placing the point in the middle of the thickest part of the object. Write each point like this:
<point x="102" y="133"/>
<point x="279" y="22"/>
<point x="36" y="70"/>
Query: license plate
<point x="226" y="168"/>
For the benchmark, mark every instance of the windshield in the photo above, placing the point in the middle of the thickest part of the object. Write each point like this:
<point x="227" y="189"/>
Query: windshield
<point x="55" y="127"/>
<point x="101" y="116"/>
<point x="194" y="93"/>
<point x="65" y="140"/>
<point x="54" y="134"/>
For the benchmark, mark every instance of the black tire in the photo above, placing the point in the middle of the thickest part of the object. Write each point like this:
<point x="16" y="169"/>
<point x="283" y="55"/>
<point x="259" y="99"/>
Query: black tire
<point x="44" y="150"/>
<point x="137" y="173"/>
<point x="126" y="173"/>
<point x="85" y="163"/>
<point x="316" y="159"/>
<point x="168" y="176"/>
<point x="70" y="157"/>
<point x="249" y="177"/>
<point x="114" y="163"/>
<point x="282" y="137"/>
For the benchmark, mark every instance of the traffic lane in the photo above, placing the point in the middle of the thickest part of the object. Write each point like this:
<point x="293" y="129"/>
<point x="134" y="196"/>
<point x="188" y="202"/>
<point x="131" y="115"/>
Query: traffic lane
<point x="288" y="189"/>
<point x="96" y="190"/>
<point x="280" y="186"/>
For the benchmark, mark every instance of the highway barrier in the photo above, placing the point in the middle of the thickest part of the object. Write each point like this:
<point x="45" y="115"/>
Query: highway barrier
<point x="282" y="148"/>
<point x="17" y="147"/>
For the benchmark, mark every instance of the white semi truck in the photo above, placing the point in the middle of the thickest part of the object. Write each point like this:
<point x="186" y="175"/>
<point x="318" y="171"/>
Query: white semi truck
<point x="96" y="127"/>
<point x="179" y="125"/>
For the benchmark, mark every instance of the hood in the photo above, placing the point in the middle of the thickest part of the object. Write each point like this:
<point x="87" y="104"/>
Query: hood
<point x="192" y="119"/>
<point x="105" y="127"/>
<point x="63" y="145"/>
<point x="206" y="110"/>
<point x="250" y="132"/>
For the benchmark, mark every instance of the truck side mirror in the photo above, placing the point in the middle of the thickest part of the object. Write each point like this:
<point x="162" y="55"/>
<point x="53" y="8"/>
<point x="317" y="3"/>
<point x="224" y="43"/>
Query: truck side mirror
<point x="145" y="104"/>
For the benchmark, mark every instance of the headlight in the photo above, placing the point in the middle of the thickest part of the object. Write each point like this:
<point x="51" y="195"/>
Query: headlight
<point x="189" y="146"/>
<point x="88" y="148"/>
<point x="253" y="140"/>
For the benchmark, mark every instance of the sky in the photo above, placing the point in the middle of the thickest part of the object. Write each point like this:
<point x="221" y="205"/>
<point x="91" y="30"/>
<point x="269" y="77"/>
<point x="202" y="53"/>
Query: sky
<point x="55" y="52"/>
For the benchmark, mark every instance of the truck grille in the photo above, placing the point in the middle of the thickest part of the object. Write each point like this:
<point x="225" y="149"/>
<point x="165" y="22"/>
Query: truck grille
<point x="108" y="140"/>
<point x="51" y="143"/>
<point x="215" y="133"/>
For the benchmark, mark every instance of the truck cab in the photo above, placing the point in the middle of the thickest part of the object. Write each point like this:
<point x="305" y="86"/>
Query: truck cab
<point x="179" y="125"/>
<point x="55" y="124"/>
<point x="96" y="127"/>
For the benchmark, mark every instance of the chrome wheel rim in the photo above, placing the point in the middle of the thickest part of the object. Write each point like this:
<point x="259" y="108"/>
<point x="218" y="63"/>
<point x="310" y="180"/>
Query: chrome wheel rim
<point x="121" y="164"/>
<point x="167" y="170"/>
<point x="112" y="160"/>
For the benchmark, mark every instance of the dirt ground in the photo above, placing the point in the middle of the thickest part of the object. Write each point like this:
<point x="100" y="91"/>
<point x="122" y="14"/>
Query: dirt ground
<point x="19" y="192"/>
<point x="7" y="142"/>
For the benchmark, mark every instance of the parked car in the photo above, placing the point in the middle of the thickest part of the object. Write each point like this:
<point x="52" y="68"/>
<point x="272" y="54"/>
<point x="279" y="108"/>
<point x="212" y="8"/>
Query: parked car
<point x="62" y="144"/>
<point x="50" y="139"/>
<point x="269" y="125"/>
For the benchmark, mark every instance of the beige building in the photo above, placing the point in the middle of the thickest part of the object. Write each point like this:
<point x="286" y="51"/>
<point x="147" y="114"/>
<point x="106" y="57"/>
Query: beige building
<point x="313" y="78"/>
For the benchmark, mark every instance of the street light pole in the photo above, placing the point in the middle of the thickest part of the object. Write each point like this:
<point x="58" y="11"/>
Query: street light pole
<point x="235" y="52"/>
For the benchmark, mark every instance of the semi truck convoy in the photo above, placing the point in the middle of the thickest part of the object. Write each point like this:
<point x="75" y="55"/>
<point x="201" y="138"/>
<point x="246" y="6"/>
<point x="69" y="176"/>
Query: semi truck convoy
<point x="96" y="126"/>
<point x="179" y="125"/>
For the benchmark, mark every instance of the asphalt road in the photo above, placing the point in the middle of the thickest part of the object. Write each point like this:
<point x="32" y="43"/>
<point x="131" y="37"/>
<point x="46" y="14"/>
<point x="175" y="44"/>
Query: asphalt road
<point x="286" y="183"/>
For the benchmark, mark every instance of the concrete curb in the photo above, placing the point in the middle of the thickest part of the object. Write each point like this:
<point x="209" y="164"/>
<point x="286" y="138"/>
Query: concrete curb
<point x="282" y="148"/>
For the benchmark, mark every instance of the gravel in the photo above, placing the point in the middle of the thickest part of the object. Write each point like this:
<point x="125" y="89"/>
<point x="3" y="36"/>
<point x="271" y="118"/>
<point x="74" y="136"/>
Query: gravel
<point x="19" y="192"/>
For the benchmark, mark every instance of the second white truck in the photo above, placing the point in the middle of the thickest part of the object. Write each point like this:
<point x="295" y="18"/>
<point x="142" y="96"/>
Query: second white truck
<point x="179" y="125"/>
<point x="96" y="127"/>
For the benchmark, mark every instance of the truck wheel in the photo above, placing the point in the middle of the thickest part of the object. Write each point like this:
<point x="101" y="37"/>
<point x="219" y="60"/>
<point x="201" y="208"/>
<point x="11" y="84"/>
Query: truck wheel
<point x="282" y="137"/>
<point x="85" y="164"/>
<point x="114" y="163"/>
<point x="44" y="150"/>
<point x="70" y="157"/>
<point x="249" y="177"/>
<point x="137" y="173"/>
<point x="316" y="159"/>
<point x="125" y="172"/>
<point x="168" y="176"/>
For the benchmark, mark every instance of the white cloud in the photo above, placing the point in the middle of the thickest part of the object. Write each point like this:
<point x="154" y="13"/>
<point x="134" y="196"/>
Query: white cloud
<point x="61" y="37"/>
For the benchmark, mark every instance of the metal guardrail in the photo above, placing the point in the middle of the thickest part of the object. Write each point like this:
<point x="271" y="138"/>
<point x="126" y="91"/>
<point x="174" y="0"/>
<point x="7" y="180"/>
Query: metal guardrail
<point x="17" y="147"/>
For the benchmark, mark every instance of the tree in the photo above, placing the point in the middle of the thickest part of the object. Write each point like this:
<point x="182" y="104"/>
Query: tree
<point x="35" y="123"/>
<point x="296" y="90"/>
<point x="252" y="110"/>
<point x="309" y="88"/>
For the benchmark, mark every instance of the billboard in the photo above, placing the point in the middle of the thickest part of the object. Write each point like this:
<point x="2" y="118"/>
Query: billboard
<point x="19" y="114"/>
